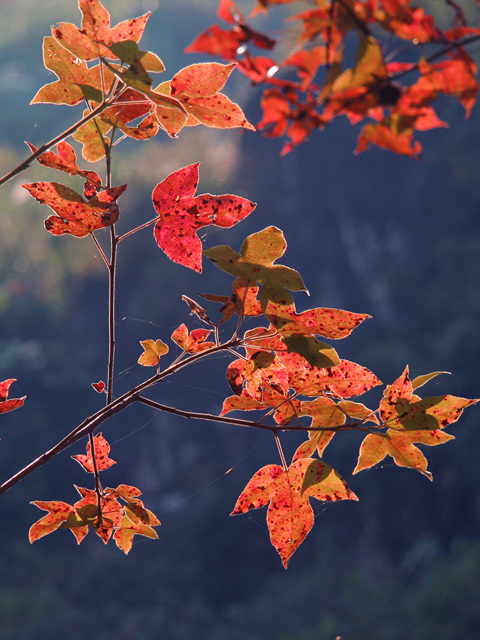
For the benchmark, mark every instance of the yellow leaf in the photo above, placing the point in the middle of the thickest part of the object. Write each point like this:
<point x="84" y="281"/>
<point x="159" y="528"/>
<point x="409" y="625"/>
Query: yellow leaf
<point x="152" y="352"/>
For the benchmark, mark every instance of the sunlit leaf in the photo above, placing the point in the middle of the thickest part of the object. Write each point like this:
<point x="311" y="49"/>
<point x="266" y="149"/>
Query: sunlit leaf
<point x="375" y="448"/>
<point x="95" y="36"/>
<point x="102" y="449"/>
<point x="12" y="404"/>
<point x="74" y="76"/>
<point x="181" y="214"/>
<point x="290" y="516"/>
<point x="153" y="349"/>
<point x="126" y="531"/>
<point x="58" y="513"/>
<point x="74" y="215"/>
<point x="192" y="342"/>
<point x="255" y="263"/>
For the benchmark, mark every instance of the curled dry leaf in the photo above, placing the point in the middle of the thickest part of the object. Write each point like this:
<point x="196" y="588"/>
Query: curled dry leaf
<point x="12" y="404"/>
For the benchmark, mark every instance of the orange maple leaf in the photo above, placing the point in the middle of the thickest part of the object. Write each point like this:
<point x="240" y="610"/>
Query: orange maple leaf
<point x="290" y="516"/>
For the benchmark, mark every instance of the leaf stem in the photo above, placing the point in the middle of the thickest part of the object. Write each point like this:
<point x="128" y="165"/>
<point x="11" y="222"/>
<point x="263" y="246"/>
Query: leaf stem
<point x="142" y="226"/>
<point x="98" y="486"/>
<point x="100" y="250"/>
<point x="280" y="450"/>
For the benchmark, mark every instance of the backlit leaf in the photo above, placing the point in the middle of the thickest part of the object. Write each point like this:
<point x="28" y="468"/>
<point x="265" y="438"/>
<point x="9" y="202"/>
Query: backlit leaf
<point x="200" y="80"/>
<point x="317" y="354"/>
<point x="181" y="214"/>
<point x="65" y="159"/>
<point x="153" y="349"/>
<point x="455" y="77"/>
<point x="400" y="409"/>
<point x="131" y="106"/>
<point x="419" y="381"/>
<point x="193" y="342"/>
<point x="197" y="88"/>
<point x="387" y="136"/>
<point x="86" y="512"/>
<point x="255" y="263"/>
<point x="317" y="441"/>
<point x="358" y="411"/>
<point x="102" y="449"/>
<point x="409" y="23"/>
<point x="345" y="380"/>
<point x="87" y="43"/>
<point x="129" y="53"/>
<point x="329" y="323"/>
<point x="58" y="513"/>
<point x="375" y="448"/>
<point x="218" y="112"/>
<point x="290" y="516"/>
<point x="242" y="402"/>
<point x="324" y="412"/>
<point x="73" y="76"/>
<point x="12" y="404"/>
<point x="218" y="42"/>
<point x="99" y="386"/>
<point x="74" y="215"/>
<point x="93" y="136"/>
<point x="127" y="529"/>
<point x="261" y="372"/>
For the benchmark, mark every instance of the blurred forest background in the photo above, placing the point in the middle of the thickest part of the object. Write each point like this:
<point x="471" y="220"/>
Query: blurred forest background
<point x="374" y="233"/>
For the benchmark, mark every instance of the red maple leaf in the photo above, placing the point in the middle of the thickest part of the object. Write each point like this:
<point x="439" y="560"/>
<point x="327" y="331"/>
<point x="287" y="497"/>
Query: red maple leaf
<point x="13" y="403"/>
<point x="182" y="214"/>
<point x="229" y="43"/>
<point x="102" y="449"/>
<point x="290" y="516"/>
<point x="86" y="43"/>
<point x="74" y="215"/>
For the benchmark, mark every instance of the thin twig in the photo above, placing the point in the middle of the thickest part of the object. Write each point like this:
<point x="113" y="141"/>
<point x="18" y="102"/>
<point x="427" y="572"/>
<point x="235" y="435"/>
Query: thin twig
<point x="142" y="226"/>
<point x="93" y="422"/>
<point x="280" y="451"/>
<point x="45" y="147"/>
<point x="98" y="485"/>
<point x="100" y="250"/>
<point x="253" y="424"/>
<point x="112" y="275"/>
<point x="111" y="312"/>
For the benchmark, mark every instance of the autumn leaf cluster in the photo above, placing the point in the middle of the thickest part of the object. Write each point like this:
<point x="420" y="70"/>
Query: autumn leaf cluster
<point x="403" y="62"/>
<point x="284" y="370"/>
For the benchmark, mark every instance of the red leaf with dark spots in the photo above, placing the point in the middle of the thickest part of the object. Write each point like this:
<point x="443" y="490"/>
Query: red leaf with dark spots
<point x="290" y="516"/>
<point x="102" y="449"/>
<point x="182" y="214"/>
<point x="88" y="42"/>
<point x="75" y="215"/>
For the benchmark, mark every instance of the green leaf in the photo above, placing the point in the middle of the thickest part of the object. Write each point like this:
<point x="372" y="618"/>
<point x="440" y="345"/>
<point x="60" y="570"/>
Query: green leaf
<point x="76" y="81"/>
<point x="129" y="53"/>
<point x="317" y="354"/>
<point x="256" y="264"/>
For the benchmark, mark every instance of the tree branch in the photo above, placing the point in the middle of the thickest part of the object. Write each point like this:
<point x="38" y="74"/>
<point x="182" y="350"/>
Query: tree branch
<point x="45" y="147"/>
